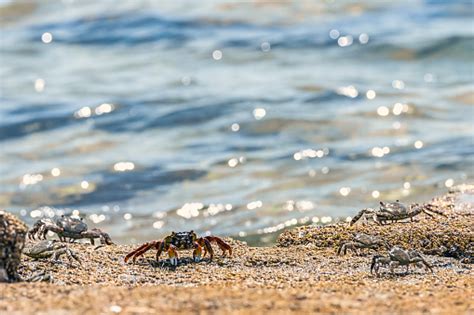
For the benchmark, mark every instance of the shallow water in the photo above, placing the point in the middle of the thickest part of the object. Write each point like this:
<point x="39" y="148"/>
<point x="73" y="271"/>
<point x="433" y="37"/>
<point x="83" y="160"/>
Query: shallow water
<point x="237" y="119"/>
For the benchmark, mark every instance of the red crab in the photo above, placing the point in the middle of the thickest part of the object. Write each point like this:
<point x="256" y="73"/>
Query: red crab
<point x="181" y="241"/>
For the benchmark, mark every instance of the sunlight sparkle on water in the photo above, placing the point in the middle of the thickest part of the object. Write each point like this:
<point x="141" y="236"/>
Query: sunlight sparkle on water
<point x="124" y="166"/>
<point x="55" y="172"/>
<point x="31" y="179"/>
<point x="345" y="41"/>
<point x="84" y="112"/>
<point x="254" y="205"/>
<point x="363" y="38"/>
<point x="326" y="219"/>
<point x="158" y="224"/>
<point x="383" y="111"/>
<point x="259" y="113"/>
<point x="398" y="84"/>
<point x="375" y="194"/>
<point x="190" y="210"/>
<point x="349" y="91"/>
<point x="265" y="47"/>
<point x="418" y="144"/>
<point x="235" y="127"/>
<point x="449" y="182"/>
<point x="186" y="80"/>
<point x="380" y="152"/>
<point x="47" y="37"/>
<point x="97" y="218"/>
<point x="217" y="54"/>
<point x="84" y="184"/>
<point x="233" y="162"/>
<point x="308" y="154"/>
<point x="370" y="94"/>
<point x="397" y="109"/>
<point x="334" y="34"/>
<point x="36" y="213"/>
<point x="344" y="191"/>
<point x="40" y="85"/>
<point x="104" y="108"/>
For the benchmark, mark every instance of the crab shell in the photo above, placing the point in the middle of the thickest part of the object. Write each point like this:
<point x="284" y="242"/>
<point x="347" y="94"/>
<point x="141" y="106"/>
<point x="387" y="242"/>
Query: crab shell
<point x="181" y="240"/>
<point x="395" y="208"/>
<point x="43" y="248"/>
<point x="71" y="225"/>
<point x="366" y="239"/>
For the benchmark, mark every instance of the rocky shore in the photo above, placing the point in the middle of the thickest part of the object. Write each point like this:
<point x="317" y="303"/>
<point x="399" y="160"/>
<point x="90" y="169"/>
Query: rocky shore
<point x="301" y="274"/>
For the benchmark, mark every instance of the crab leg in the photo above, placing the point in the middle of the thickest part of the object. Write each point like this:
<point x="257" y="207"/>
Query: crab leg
<point x="361" y="214"/>
<point x="173" y="254"/>
<point x="222" y="245"/>
<point x="97" y="233"/>
<point x="344" y="247"/>
<point x="69" y="253"/>
<point x="375" y="264"/>
<point x="40" y="276"/>
<point x="197" y="253"/>
<point x="208" y="247"/>
<point x="140" y="251"/>
<point x="430" y="208"/>
<point x="160" y="246"/>
<point x="424" y="262"/>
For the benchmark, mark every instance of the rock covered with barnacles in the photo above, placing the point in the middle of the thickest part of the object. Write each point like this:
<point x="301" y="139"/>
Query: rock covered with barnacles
<point x="12" y="241"/>
<point x="438" y="234"/>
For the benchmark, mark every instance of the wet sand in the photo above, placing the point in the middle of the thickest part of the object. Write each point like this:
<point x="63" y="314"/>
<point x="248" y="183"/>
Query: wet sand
<point x="301" y="274"/>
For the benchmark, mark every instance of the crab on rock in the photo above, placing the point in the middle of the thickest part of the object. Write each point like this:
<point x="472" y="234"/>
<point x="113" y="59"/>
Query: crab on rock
<point x="361" y="240"/>
<point x="67" y="227"/>
<point x="181" y="241"/>
<point x="394" y="211"/>
<point x="398" y="257"/>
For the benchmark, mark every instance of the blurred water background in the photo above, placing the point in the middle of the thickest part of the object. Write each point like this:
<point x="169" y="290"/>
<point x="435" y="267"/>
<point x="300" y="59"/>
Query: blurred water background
<point x="233" y="118"/>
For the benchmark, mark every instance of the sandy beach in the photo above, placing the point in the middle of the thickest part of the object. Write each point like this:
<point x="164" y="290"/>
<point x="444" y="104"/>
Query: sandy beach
<point x="300" y="274"/>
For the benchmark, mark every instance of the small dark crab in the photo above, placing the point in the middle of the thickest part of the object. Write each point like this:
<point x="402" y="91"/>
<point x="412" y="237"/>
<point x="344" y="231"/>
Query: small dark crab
<point x="360" y="241"/>
<point x="67" y="227"/>
<point x="181" y="241"/>
<point x="398" y="257"/>
<point x="50" y="249"/>
<point x="395" y="211"/>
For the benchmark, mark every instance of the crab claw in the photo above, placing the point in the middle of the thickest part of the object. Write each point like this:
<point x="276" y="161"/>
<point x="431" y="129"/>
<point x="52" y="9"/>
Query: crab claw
<point x="197" y="253"/>
<point x="173" y="254"/>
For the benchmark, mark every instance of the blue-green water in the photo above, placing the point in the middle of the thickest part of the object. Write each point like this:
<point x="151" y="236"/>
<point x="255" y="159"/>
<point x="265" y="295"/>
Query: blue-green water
<point x="141" y="114"/>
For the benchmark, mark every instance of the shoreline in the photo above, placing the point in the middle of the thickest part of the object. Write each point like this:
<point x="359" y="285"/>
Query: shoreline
<point x="301" y="274"/>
